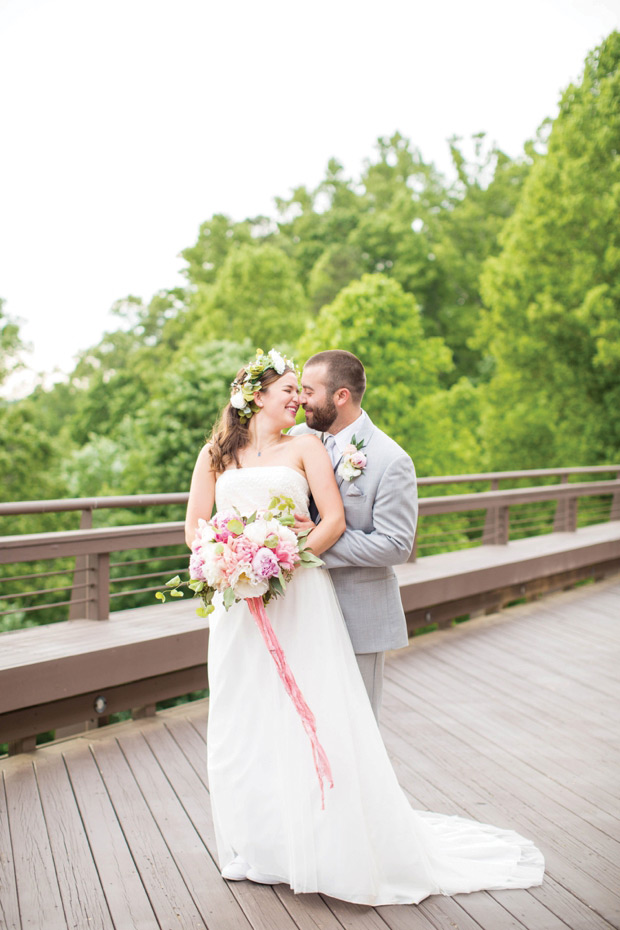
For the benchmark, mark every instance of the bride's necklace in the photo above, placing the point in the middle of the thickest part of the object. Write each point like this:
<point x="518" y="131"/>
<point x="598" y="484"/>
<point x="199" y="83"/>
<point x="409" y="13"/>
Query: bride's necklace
<point x="268" y="446"/>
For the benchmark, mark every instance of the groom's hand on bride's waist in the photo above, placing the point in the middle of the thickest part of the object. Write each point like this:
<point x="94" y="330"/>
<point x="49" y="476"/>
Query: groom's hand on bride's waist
<point x="303" y="523"/>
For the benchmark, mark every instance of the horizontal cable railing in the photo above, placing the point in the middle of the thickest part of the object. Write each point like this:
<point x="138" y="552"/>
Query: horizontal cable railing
<point x="97" y="567"/>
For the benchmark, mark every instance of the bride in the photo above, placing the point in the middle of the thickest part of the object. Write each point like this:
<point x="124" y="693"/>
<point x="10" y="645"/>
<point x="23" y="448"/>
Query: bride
<point x="367" y="845"/>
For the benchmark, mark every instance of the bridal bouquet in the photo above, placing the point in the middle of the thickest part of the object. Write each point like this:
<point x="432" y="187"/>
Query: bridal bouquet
<point x="244" y="557"/>
<point x="252" y="559"/>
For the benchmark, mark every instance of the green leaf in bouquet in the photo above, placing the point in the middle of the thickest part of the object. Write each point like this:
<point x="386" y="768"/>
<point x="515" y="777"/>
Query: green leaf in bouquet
<point x="174" y="582"/>
<point x="235" y="526"/>
<point x="219" y="548"/>
<point x="160" y="596"/>
<point x="229" y="598"/>
<point x="287" y="520"/>
<point x="303" y="534"/>
<point x="250" y="519"/>
<point x="196" y="586"/>
<point x="282" y="580"/>
<point x="276" y="587"/>
<point x="288" y="503"/>
<point x="308" y="558"/>
<point x="205" y="611"/>
<point x="275" y="503"/>
<point x="271" y="542"/>
<point x="176" y="593"/>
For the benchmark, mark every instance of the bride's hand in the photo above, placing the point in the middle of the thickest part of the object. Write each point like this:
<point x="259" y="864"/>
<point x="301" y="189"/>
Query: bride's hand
<point x="302" y="524"/>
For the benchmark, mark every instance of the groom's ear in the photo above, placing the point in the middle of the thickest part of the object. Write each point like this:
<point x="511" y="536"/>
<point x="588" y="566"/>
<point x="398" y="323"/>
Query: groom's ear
<point x="342" y="396"/>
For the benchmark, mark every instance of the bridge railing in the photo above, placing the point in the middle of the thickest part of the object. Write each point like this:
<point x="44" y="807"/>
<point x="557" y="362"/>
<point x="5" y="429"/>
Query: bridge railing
<point x="94" y="568"/>
<point x="81" y="673"/>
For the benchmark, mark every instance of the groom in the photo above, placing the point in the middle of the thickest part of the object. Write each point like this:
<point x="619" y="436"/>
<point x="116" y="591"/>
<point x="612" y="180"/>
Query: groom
<point x="380" y="505"/>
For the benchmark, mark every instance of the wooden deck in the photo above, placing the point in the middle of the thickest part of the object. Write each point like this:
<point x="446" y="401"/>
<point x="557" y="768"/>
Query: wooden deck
<point x="510" y="719"/>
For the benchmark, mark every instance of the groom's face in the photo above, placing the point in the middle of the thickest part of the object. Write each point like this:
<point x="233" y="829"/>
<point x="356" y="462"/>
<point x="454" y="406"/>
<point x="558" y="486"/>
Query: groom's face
<point x="318" y="405"/>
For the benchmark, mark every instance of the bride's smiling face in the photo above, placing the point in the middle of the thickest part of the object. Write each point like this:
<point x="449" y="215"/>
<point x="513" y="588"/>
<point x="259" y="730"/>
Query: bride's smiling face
<point x="280" y="401"/>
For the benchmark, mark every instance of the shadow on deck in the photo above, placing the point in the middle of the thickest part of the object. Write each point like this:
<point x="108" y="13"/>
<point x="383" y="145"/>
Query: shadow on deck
<point x="510" y="719"/>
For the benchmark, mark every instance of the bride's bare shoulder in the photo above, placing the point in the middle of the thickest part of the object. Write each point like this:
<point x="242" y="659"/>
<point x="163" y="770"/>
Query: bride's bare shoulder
<point x="306" y="441"/>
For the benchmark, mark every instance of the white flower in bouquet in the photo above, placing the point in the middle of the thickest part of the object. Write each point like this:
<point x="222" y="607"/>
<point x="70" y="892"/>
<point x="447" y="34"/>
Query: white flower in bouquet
<point x="262" y="529"/>
<point x="244" y="582"/>
<point x="204" y="534"/>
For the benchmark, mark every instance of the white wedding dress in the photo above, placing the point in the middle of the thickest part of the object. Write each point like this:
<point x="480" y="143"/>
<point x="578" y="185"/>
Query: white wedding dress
<point x="368" y="845"/>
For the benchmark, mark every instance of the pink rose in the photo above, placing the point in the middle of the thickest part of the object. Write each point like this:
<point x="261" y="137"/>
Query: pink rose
<point x="265" y="563"/>
<point x="358" y="459"/>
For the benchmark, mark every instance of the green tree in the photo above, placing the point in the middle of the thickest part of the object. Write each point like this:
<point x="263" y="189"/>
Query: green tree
<point x="462" y="236"/>
<point x="376" y="320"/>
<point x="170" y="429"/>
<point x="553" y="325"/>
<point x="256" y="296"/>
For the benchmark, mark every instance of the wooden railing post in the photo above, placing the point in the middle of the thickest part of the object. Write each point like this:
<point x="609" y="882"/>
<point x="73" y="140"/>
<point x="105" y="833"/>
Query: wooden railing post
<point x="98" y="605"/>
<point x="503" y="526"/>
<point x="491" y="521"/>
<point x="79" y="593"/>
<point x="565" y="520"/>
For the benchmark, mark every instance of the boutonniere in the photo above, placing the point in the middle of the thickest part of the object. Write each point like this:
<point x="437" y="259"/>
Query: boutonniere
<point x="354" y="461"/>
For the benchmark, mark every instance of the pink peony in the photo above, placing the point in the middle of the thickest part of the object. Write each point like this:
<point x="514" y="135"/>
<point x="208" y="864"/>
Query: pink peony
<point x="287" y="554"/>
<point x="245" y="549"/>
<point x="265" y="563"/>
<point x="196" y="566"/>
<point x="220" y="521"/>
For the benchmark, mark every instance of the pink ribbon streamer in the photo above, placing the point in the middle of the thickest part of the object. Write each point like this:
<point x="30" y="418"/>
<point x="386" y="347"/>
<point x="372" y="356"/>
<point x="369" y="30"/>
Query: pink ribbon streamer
<point x="321" y="762"/>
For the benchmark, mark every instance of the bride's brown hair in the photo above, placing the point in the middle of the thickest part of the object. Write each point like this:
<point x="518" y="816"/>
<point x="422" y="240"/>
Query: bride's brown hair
<point x="231" y="434"/>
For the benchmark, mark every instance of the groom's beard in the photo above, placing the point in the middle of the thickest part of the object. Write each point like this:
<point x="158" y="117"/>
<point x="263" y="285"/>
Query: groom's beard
<point x="321" y="418"/>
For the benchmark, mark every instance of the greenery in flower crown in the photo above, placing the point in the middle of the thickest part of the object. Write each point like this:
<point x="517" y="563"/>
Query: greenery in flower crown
<point x="243" y="389"/>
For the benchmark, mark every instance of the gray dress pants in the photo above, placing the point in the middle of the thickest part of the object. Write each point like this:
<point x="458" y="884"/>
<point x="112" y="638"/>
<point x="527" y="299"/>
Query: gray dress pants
<point x="371" y="666"/>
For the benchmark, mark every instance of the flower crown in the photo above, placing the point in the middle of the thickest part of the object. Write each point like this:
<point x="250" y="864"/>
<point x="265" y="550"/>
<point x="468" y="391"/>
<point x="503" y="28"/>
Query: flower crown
<point x="243" y="388"/>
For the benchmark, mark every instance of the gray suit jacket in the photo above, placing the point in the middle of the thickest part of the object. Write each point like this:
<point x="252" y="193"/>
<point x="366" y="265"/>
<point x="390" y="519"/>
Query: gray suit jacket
<point x="381" y="509"/>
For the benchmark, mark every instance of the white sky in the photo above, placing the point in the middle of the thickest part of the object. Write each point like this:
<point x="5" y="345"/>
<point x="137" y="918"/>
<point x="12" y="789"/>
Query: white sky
<point x="126" y="123"/>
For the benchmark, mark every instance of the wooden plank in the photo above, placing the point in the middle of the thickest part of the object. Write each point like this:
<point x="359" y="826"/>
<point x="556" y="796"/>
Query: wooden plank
<point x="187" y="771"/>
<point x="39" y="897"/>
<point x="550" y="756"/>
<point x="167" y="892"/>
<point x="452" y="792"/>
<point x="97" y="656"/>
<point x="309" y="911"/>
<point x="192" y="745"/>
<point x="80" y="708"/>
<point x="355" y="916"/>
<point x="201" y="875"/>
<point x="126" y="898"/>
<point x="9" y="908"/>
<point x="435" y="913"/>
<point x="504" y="766"/>
<point x="83" y="898"/>
<point x="587" y="873"/>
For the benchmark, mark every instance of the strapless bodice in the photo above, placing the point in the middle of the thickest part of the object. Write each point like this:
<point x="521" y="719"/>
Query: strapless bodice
<point x="250" y="489"/>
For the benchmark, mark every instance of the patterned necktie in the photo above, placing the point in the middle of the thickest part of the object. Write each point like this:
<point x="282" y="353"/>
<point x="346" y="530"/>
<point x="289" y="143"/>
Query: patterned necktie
<point x="332" y="448"/>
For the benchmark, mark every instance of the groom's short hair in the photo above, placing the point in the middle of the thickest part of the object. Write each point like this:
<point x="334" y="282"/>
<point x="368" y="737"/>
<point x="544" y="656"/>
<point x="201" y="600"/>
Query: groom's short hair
<point x="343" y="370"/>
